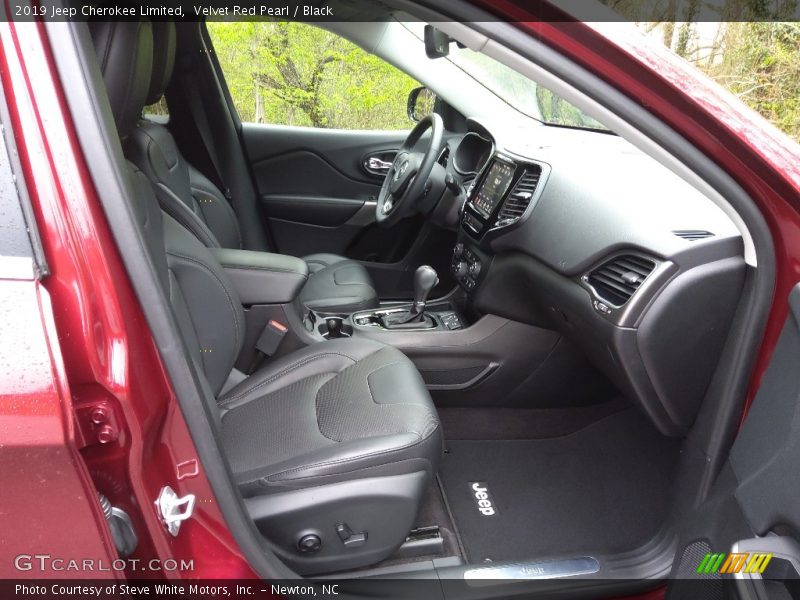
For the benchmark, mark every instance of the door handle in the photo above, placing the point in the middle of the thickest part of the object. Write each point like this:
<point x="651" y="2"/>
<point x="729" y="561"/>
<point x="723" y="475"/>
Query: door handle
<point x="378" y="163"/>
<point x="373" y="164"/>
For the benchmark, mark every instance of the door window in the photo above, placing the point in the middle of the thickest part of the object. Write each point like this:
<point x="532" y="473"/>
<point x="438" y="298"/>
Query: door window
<point x="289" y="73"/>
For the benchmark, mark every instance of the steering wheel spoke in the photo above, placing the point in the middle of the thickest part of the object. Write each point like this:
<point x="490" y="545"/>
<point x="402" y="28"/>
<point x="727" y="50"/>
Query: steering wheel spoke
<point x="388" y="205"/>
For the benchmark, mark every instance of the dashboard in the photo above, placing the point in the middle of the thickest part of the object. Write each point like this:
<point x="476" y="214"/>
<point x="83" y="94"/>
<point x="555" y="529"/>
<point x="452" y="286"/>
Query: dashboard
<point x="580" y="232"/>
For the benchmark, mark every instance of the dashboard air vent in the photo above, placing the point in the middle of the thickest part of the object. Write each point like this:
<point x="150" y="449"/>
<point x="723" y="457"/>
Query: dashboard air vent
<point x="618" y="279"/>
<point x="693" y="235"/>
<point x="520" y="196"/>
<point x="467" y="182"/>
<point x="444" y="156"/>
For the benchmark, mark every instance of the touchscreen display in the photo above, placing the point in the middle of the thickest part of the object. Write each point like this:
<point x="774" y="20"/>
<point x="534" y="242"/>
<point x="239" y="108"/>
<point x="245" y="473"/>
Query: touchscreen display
<point x="494" y="187"/>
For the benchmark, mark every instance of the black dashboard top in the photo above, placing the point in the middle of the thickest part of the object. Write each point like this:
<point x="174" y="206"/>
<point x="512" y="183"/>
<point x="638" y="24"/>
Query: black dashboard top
<point x="595" y="194"/>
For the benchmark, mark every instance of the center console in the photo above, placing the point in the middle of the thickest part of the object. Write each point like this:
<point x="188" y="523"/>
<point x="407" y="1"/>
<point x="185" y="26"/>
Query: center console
<point x="442" y="315"/>
<point x="401" y="317"/>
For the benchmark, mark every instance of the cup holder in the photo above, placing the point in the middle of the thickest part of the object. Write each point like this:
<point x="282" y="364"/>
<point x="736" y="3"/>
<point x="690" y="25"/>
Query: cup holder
<point x="334" y="327"/>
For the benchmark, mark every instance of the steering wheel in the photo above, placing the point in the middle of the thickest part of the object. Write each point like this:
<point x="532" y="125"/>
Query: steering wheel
<point x="405" y="181"/>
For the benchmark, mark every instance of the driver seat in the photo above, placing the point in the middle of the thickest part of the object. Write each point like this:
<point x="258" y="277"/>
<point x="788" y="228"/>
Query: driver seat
<point x="335" y="284"/>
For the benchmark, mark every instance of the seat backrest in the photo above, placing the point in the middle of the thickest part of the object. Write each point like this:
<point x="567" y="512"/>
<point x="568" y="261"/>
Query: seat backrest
<point x="184" y="193"/>
<point x="207" y="309"/>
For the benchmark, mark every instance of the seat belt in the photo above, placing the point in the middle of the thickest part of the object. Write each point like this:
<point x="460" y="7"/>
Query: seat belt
<point x="268" y="343"/>
<point x="200" y="118"/>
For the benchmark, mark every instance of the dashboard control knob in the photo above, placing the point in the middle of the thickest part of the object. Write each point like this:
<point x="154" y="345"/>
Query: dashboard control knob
<point x="461" y="269"/>
<point x="458" y="250"/>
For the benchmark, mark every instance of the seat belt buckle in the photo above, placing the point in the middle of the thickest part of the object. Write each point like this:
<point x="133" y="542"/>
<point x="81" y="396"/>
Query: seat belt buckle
<point x="271" y="337"/>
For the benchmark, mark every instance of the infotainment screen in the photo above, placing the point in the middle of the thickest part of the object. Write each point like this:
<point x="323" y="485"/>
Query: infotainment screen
<point x="494" y="187"/>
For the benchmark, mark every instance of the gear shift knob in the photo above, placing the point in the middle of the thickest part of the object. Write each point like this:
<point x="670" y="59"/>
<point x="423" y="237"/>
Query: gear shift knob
<point x="425" y="279"/>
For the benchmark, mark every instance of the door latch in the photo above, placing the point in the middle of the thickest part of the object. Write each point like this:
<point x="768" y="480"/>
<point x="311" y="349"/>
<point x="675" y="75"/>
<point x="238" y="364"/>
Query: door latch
<point x="379" y="163"/>
<point x="174" y="509"/>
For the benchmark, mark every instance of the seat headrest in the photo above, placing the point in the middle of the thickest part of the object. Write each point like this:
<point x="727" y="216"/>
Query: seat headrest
<point x="125" y="54"/>
<point x="163" y="59"/>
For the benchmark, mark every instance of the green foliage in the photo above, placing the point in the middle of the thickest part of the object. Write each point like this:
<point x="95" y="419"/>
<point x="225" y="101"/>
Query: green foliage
<point x="293" y="73"/>
<point x="761" y="64"/>
<point x="752" y="53"/>
<point x="299" y="74"/>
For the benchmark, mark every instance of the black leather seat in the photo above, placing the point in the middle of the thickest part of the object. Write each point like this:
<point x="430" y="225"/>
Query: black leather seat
<point x="324" y="413"/>
<point x="335" y="284"/>
<point x="339" y="436"/>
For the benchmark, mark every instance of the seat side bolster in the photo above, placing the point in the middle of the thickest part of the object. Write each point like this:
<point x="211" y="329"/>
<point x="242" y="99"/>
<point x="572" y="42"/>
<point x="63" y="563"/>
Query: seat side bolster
<point x="217" y="211"/>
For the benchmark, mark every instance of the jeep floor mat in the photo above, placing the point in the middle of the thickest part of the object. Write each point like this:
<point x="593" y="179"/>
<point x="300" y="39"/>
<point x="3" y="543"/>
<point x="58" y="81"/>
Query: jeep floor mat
<point x="602" y="489"/>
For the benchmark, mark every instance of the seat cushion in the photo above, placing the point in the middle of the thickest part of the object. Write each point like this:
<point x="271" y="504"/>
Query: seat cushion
<point x="337" y="284"/>
<point x="335" y="411"/>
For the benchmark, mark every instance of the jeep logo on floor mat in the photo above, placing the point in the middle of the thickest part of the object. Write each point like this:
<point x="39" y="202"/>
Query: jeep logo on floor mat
<point x="480" y="492"/>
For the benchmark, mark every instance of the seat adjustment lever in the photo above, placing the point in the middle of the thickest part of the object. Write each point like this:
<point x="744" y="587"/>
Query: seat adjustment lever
<point x="350" y="539"/>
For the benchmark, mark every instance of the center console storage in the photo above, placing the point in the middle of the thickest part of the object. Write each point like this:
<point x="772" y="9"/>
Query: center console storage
<point x="263" y="277"/>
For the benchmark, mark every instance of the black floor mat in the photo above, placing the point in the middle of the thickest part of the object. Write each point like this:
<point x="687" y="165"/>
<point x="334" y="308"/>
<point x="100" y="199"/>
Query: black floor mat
<point x="603" y="489"/>
<point x="522" y="423"/>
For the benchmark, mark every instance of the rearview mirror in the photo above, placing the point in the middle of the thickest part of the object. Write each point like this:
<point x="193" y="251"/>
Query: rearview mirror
<point x="437" y="43"/>
<point x="421" y="102"/>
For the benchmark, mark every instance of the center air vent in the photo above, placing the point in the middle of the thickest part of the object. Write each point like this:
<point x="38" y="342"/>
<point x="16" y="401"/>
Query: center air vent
<point x="520" y="196"/>
<point x="618" y="279"/>
<point x="693" y="235"/>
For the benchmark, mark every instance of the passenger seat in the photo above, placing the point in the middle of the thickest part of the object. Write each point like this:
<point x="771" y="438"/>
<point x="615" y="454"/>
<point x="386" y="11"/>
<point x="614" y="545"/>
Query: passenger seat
<point x="335" y="283"/>
<point x="334" y="446"/>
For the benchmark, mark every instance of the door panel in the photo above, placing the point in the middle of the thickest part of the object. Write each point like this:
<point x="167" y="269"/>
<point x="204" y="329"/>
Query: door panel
<point x="753" y="508"/>
<point x="317" y="193"/>
<point x="325" y="211"/>
<point x="766" y="454"/>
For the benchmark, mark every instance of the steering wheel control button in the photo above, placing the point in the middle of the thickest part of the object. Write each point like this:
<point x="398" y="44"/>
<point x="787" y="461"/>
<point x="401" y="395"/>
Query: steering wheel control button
<point x="458" y="250"/>
<point x="309" y="543"/>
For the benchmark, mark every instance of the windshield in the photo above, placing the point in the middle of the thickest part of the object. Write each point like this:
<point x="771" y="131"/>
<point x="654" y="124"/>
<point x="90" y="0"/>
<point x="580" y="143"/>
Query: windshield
<point x="519" y="92"/>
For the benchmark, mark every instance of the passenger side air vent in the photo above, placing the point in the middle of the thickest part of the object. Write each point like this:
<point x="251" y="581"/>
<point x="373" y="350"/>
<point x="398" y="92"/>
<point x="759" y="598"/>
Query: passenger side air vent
<point x="693" y="235"/>
<point x="520" y="196"/>
<point x="618" y="279"/>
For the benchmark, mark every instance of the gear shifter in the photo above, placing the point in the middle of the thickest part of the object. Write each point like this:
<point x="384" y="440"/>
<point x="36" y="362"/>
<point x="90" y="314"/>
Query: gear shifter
<point x="425" y="279"/>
